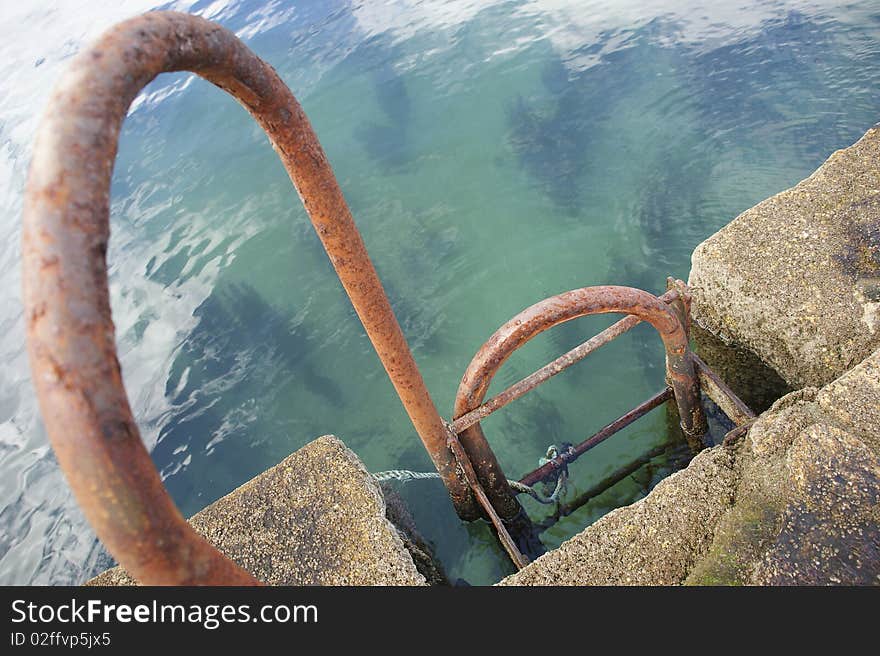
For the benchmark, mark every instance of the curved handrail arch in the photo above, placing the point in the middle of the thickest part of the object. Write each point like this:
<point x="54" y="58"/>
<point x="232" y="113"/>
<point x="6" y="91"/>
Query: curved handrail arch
<point x="70" y="332"/>
<point x="550" y="312"/>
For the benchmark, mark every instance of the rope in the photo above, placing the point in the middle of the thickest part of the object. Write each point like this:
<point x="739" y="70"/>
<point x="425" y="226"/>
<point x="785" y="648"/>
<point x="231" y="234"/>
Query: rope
<point x="405" y="475"/>
<point x="561" y="481"/>
<point x="558" y="493"/>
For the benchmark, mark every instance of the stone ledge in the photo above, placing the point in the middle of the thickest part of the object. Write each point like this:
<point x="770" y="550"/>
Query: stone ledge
<point x="316" y="518"/>
<point x="807" y="508"/>
<point x="796" y="279"/>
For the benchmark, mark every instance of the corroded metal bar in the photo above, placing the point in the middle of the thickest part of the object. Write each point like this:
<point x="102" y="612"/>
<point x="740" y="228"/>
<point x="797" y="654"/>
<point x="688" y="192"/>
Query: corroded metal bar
<point x="605" y="484"/>
<point x="546" y="314"/>
<point x="693" y="422"/>
<point x="575" y="452"/>
<point x="734" y="434"/>
<point x="717" y="390"/>
<point x="546" y="372"/>
<point x="70" y="331"/>
<point x="681" y="302"/>
<point x="471" y="476"/>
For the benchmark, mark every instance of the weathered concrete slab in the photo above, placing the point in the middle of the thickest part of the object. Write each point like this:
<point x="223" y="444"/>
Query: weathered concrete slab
<point x="854" y="400"/>
<point x="807" y="508"/>
<point x="829" y="530"/>
<point x="796" y="279"/>
<point x="316" y="518"/>
<point x="796" y="501"/>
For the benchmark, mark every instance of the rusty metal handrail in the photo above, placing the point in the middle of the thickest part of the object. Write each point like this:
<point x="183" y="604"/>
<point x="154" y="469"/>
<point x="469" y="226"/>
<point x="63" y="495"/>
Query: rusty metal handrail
<point x="70" y="331"/>
<point x="552" y="311"/>
<point x="549" y="370"/>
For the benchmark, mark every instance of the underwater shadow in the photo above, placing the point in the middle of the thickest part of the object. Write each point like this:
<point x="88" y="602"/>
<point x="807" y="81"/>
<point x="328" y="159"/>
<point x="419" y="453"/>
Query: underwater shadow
<point x="226" y="388"/>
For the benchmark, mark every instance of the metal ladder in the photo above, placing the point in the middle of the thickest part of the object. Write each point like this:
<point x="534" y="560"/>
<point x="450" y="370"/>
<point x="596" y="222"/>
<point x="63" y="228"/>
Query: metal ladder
<point x="70" y="332"/>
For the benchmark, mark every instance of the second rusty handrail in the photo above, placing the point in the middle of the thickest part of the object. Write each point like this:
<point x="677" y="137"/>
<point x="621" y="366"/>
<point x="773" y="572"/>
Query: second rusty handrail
<point x="552" y="311"/>
<point x="549" y="370"/>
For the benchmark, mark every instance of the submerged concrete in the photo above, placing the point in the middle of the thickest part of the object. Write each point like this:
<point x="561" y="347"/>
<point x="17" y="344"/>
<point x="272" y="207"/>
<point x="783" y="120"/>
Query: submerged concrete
<point x="316" y="518"/>
<point x="796" y="279"/>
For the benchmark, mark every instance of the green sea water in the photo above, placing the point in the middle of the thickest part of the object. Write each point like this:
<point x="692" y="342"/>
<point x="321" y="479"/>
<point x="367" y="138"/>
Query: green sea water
<point x="493" y="154"/>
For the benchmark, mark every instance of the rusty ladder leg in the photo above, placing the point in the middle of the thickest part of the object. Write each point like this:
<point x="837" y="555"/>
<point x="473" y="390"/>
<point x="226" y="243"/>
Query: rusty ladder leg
<point x="685" y="374"/>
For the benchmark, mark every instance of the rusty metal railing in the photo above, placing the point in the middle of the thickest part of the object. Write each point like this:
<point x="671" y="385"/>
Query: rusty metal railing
<point x="70" y="332"/>
<point x="548" y="313"/>
<point x="69" y="327"/>
<point x="688" y="376"/>
<point x="669" y="314"/>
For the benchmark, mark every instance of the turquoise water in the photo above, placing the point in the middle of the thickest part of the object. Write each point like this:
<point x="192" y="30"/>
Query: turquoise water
<point x="493" y="154"/>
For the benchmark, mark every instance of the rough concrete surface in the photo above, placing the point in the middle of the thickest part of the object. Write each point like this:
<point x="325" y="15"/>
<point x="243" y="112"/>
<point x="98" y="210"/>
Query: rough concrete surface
<point x="316" y="518"/>
<point x="796" y="279"/>
<point x="807" y="507"/>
